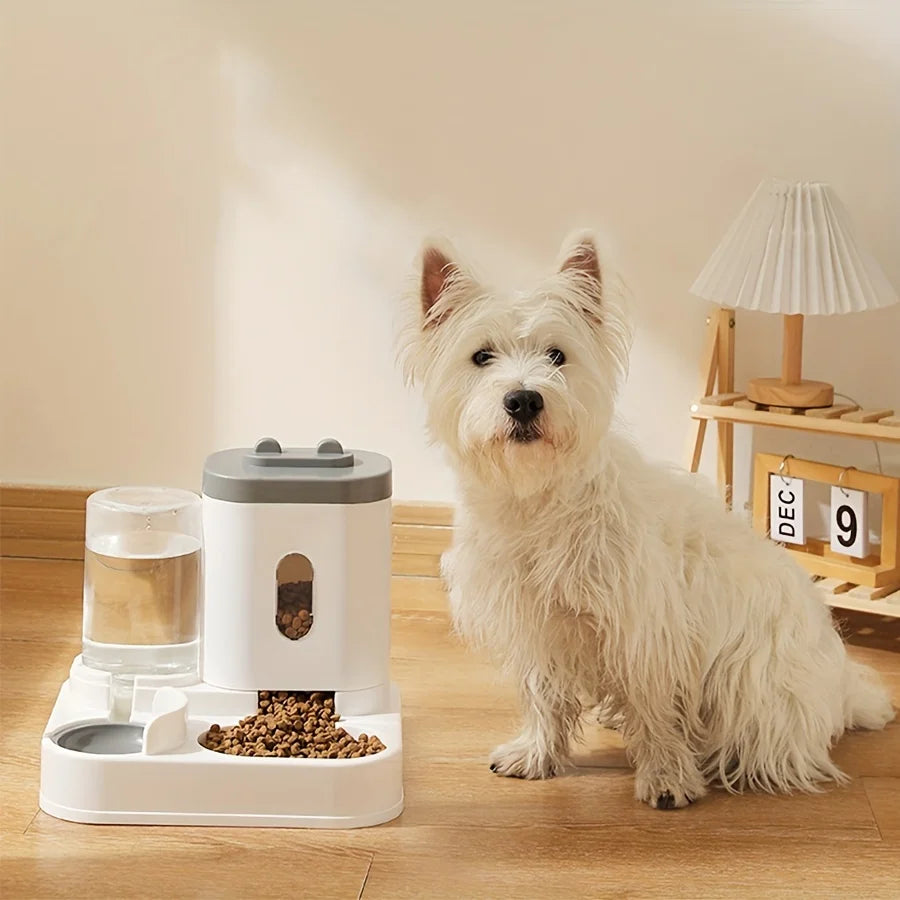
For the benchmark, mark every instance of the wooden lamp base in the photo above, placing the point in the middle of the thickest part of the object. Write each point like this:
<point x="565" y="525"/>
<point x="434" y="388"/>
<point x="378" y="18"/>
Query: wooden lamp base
<point x="802" y="395"/>
<point x="791" y="390"/>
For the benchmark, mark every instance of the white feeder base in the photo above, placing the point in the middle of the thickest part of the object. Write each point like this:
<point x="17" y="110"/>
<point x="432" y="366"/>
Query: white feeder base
<point x="191" y="785"/>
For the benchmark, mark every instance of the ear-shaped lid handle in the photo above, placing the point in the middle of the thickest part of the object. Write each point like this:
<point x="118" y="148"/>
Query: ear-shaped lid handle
<point x="328" y="455"/>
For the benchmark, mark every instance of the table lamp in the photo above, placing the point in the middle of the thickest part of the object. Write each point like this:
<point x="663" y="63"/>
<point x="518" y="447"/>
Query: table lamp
<point x="792" y="251"/>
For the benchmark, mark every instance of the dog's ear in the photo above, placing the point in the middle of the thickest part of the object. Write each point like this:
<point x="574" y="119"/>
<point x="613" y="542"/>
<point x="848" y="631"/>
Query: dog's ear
<point x="441" y="276"/>
<point x="437" y="269"/>
<point x="579" y="258"/>
<point x="579" y="254"/>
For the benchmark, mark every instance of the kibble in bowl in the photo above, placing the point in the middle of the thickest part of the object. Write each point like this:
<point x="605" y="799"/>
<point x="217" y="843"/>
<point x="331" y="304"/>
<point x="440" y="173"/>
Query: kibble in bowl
<point x="291" y="724"/>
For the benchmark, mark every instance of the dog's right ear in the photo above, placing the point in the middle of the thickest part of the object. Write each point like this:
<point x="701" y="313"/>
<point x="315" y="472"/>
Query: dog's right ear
<point x="442" y="279"/>
<point x="437" y="269"/>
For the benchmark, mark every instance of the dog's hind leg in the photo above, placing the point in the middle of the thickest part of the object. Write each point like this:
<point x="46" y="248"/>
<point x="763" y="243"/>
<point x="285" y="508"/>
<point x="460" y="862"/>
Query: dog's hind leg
<point x="866" y="702"/>
<point x="541" y="749"/>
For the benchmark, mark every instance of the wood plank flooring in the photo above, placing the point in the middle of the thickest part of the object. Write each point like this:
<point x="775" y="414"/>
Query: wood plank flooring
<point x="465" y="833"/>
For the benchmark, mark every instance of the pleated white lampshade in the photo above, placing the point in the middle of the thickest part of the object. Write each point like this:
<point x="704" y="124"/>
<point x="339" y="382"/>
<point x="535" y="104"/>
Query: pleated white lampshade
<point x="792" y="251"/>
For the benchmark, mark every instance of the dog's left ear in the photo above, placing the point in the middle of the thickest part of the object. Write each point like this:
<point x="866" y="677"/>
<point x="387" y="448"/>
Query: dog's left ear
<point x="580" y="260"/>
<point x="579" y="255"/>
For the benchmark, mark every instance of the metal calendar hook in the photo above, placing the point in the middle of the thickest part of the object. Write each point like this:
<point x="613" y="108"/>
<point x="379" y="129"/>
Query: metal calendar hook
<point x="781" y="468"/>
<point x="841" y="479"/>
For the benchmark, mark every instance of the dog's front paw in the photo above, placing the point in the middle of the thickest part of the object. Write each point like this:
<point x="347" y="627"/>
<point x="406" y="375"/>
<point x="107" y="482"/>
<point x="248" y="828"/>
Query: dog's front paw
<point x="666" y="792"/>
<point x="521" y="759"/>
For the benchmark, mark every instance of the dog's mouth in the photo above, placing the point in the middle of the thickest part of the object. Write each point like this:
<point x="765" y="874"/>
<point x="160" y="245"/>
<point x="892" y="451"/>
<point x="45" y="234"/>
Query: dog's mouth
<point x="525" y="434"/>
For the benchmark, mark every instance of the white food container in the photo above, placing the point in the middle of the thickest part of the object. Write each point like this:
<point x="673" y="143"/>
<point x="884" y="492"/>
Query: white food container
<point x="297" y="569"/>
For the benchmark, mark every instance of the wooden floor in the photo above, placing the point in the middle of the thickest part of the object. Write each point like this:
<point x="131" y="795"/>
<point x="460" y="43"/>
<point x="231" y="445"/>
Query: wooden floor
<point x="465" y="833"/>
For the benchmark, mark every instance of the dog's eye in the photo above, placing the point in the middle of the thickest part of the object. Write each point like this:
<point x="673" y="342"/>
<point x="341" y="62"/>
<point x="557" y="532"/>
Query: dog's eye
<point x="482" y="357"/>
<point x="556" y="356"/>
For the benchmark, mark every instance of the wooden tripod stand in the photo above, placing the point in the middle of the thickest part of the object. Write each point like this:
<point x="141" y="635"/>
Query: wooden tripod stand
<point x="717" y="377"/>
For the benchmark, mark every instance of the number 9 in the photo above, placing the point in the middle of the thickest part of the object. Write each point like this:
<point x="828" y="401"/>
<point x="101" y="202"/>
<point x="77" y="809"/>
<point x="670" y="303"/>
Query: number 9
<point x="846" y="522"/>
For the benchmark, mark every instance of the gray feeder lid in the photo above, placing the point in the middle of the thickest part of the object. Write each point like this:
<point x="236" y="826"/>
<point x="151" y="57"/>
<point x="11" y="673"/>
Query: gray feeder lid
<point x="269" y="474"/>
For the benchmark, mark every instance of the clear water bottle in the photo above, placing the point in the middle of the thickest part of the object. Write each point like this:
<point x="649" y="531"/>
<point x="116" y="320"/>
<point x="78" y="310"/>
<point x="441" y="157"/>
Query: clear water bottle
<point x="142" y="581"/>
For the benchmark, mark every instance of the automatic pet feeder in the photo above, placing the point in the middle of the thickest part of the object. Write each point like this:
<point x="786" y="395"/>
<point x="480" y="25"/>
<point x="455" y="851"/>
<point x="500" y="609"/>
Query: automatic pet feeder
<point x="296" y="597"/>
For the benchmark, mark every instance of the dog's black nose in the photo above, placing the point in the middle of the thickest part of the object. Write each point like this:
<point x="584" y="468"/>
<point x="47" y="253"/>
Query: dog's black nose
<point x="523" y="406"/>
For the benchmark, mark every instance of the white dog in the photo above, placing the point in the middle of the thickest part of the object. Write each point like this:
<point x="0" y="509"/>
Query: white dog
<point x="597" y="576"/>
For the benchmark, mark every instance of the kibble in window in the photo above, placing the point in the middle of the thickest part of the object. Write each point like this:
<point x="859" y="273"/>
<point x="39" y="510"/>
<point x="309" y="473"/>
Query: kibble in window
<point x="294" y="614"/>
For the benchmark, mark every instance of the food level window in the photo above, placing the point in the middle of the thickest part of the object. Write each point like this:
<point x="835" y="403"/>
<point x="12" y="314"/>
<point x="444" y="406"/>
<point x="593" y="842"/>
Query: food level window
<point x="294" y="578"/>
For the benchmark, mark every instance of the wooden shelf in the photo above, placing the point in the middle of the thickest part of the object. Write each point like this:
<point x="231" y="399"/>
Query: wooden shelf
<point x="858" y="598"/>
<point x="870" y="431"/>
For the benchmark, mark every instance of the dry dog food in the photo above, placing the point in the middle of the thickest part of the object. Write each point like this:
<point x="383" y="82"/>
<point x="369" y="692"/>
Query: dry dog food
<point x="291" y="723"/>
<point x="294" y="616"/>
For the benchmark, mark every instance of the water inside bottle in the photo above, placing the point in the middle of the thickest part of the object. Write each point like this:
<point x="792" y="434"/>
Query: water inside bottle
<point x="141" y="602"/>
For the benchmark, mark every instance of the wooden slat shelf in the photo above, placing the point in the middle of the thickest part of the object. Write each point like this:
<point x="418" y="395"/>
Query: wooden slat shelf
<point x="871" y="431"/>
<point x="844" y="596"/>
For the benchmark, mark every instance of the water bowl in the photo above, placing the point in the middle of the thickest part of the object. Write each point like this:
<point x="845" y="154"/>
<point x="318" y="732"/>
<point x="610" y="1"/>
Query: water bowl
<point x="110" y="738"/>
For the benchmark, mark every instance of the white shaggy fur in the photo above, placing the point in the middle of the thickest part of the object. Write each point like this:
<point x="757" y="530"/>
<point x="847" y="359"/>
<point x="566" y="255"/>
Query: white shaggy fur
<point x="596" y="576"/>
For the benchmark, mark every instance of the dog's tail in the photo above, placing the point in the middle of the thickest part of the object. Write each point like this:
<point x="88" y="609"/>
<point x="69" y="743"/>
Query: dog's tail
<point x="867" y="703"/>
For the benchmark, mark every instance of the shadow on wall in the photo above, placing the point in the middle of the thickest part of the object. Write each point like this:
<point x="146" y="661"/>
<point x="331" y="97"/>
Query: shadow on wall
<point x="508" y="127"/>
<point x="220" y="201"/>
<point x="112" y="177"/>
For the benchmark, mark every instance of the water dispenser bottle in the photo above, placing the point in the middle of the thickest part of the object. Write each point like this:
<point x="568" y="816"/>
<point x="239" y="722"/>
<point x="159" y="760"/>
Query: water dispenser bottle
<point x="142" y="581"/>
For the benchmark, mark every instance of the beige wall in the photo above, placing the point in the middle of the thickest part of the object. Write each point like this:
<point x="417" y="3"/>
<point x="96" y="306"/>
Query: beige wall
<point x="207" y="207"/>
